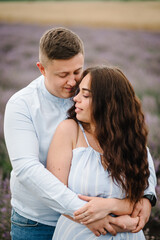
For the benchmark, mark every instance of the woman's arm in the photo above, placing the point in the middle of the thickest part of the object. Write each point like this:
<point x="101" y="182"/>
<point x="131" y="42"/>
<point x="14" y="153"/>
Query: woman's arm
<point x="98" y="208"/>
<point x="59" y="161"/>
<point x="60" y="150"/>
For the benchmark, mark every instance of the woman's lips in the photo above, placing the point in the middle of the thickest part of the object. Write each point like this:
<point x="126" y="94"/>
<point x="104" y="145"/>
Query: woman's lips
<point x="77" y="109"/>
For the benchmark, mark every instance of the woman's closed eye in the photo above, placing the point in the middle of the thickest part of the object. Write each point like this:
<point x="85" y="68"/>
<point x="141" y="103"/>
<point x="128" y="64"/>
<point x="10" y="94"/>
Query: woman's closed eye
<point x="86" y="96"/>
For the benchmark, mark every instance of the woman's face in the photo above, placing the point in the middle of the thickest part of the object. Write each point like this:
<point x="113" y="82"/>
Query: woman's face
<point x="83" y="100"/>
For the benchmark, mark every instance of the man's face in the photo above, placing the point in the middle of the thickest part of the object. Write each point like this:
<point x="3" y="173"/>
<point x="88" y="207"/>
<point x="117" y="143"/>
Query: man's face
<point x="61" y="76"/>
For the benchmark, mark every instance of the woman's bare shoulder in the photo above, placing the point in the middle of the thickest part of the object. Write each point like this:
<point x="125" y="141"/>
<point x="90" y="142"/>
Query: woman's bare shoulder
<point x="69" y="127"/>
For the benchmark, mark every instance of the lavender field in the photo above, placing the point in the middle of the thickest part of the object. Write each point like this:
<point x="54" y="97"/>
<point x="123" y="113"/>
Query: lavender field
<point x="137" y="53"/>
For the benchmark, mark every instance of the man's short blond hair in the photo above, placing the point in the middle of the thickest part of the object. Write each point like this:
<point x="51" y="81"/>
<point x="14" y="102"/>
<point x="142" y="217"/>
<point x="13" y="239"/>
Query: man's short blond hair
<point x="59" y="43"/>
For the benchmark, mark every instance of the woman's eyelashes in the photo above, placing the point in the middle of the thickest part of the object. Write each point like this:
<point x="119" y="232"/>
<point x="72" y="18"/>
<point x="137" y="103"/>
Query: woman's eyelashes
<point x="86" y="96"/>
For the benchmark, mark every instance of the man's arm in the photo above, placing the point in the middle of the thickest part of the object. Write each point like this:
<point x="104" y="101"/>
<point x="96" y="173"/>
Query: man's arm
<point x="97" y="208"/>
<point x="23" y="148"/>
<point x="143" y="207"/>
<point x="152" y="178"/>
<point x="113" y="225"/>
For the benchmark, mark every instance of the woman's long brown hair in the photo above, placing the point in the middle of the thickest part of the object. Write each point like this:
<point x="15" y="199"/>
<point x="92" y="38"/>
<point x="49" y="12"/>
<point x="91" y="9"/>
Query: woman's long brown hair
<point x="120" y="129"/>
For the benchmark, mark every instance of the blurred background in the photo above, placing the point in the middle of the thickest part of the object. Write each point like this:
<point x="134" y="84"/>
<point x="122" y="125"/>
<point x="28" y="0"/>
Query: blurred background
<point x="121" y="33"/>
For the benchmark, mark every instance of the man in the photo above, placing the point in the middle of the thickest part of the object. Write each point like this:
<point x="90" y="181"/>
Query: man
<point x="31" y="118"/>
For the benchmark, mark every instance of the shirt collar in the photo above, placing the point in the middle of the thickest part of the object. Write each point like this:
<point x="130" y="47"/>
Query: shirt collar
<point x="51" y="96"/>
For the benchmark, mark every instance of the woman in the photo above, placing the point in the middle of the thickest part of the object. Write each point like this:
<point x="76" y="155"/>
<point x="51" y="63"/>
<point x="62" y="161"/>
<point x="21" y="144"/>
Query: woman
<point x="101" y="151"/>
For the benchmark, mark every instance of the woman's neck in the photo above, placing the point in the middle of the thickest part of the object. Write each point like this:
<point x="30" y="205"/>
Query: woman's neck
<point x="89" y="127"/>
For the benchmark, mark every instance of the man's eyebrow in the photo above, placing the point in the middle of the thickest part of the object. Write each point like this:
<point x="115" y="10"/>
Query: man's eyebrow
<point x="86" y="89"/>
<point x="65" y="72"/>
<point x="60" y="73"/>
<point x="78" y="69"/>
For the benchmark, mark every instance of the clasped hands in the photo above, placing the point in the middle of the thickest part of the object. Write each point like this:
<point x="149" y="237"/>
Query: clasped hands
<point x="96" y="216"/>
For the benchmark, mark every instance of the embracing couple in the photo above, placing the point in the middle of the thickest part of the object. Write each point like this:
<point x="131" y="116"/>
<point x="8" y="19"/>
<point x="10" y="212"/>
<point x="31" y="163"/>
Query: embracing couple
<point x="77" y="141"/>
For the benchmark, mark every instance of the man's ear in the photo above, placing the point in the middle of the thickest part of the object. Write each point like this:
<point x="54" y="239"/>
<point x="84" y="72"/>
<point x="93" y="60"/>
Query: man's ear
<point x="41" y="68"/>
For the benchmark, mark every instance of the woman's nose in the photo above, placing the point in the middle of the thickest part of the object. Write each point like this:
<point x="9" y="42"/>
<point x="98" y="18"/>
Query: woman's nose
<point x="76" y="98"/>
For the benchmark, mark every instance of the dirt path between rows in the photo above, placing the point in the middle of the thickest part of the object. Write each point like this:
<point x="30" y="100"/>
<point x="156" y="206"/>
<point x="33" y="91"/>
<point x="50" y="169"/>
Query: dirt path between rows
<point x="129" y="15"/>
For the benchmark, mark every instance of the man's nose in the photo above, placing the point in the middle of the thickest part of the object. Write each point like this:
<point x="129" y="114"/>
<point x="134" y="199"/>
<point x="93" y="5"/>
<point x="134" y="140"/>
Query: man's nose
<point x="71" y="80"/>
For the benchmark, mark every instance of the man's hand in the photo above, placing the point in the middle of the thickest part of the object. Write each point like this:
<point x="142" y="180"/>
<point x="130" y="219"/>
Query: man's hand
<point x="142" y="209"/>
<point x="103" y="226"/>
<point x="129" y="222"/>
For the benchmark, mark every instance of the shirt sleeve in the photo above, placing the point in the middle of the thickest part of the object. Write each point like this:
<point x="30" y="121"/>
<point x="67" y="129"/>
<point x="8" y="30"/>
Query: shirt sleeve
<point x="152" y="178"/>
<point x="23" y="148"/>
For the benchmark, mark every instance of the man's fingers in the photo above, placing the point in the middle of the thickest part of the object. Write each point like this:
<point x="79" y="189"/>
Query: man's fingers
<point x="135" y="213"/>
<point x="136" y="210"/>
<point x="139" y="226"/>
<point x="111" y="230"/>
<point x="96" y="232"/>
<point x="103" y="231"/>
<point x="137" y="229"/>
<point x="116" y="222"/>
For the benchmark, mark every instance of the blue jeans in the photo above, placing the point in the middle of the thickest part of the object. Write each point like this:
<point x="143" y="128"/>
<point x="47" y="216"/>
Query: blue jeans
<point x="26" y="229"/>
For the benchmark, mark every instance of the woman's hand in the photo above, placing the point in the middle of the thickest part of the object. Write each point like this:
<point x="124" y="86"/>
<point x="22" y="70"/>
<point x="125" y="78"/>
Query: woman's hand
<point x="96" y="208"/>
